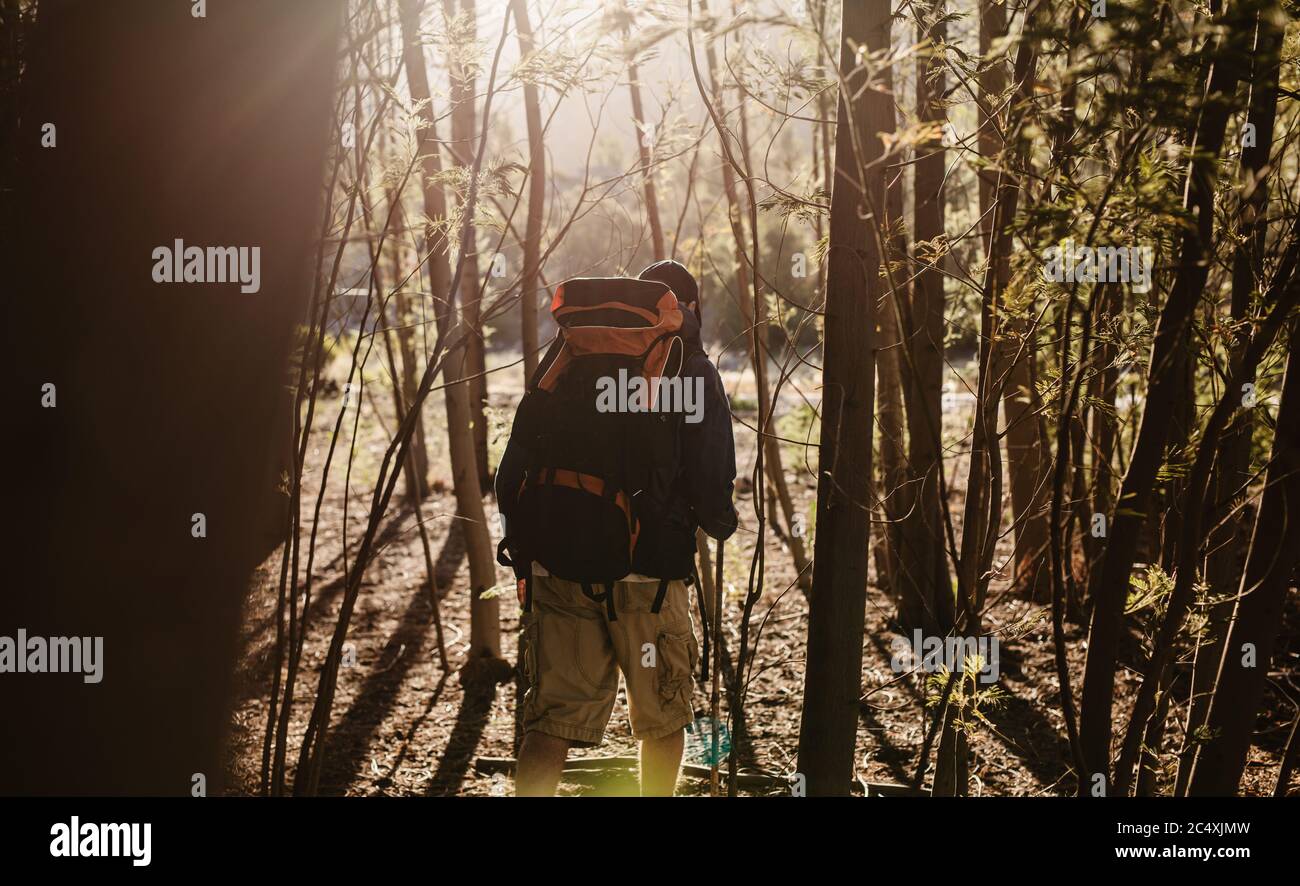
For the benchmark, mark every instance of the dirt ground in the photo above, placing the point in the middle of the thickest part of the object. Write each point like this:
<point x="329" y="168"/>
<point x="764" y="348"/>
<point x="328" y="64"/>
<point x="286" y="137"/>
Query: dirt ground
<point x="404" y="726"/>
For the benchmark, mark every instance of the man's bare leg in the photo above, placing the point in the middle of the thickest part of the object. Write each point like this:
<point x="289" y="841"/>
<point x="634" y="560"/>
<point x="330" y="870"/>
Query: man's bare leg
<point x="661" y="760"/>
<point x="541" y="761"/>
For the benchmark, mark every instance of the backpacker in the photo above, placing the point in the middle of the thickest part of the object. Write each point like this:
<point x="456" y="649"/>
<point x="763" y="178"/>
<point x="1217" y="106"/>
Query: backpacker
<point x="602" y="465"/>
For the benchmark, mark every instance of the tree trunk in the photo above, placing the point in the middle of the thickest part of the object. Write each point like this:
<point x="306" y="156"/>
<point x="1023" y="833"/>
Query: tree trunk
<point x="528" y="284"/>
<point x="416" y="484"/>
<point x="823" y="129"/>
<point x="926" y="598"/>
<point x="1020" y="401"/>
<point x="1110" y="588"/>
<point x="401" y="373"/>
<point x="754" y="310"/>
<point x="435" y="201"/>
<point x="1280" y="298"/>
<point x="409" y="381"/>
<point x="1167" y="516"/>
<point x="1232" y="466"/>
<point x="485" y="628"/>
<point x="643" y="146"/>
<point x="463" y="145"/>
<point x="894" y="491"/>
<point x="983" y="507"/>
<point x="1103" y="387"/>
<point x="832" y="681"/>
<point x="1273" y="554"/>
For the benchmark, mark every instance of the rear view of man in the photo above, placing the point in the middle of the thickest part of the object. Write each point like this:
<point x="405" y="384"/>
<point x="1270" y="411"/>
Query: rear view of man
<point x="620" y="448"/>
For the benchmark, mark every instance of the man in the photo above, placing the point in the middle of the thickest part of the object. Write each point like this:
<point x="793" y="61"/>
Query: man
<point x="576" y="642"/>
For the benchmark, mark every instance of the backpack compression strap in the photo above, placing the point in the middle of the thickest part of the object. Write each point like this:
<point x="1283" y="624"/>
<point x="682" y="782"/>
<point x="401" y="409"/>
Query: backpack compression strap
<point x="607" y="598"/>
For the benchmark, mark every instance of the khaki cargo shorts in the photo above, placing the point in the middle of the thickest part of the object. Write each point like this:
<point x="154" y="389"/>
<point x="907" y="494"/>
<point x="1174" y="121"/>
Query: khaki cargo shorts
<point x="573" y="653"/>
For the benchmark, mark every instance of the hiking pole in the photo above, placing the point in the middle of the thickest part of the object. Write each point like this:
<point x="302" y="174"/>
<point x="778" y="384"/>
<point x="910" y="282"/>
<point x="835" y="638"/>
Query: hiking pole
<point x="716" y="627"/>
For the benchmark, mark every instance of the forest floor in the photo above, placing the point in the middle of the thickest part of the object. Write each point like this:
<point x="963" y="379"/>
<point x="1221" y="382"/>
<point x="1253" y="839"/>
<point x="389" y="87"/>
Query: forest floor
<point x="404" y="726"/>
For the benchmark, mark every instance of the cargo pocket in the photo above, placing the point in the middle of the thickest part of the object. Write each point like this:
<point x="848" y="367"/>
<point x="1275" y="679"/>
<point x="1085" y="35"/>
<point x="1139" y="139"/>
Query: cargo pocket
<point x="677" y="654"/>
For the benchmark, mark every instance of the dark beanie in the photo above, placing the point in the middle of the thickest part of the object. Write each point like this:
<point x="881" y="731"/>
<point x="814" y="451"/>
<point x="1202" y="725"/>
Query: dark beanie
<point x="679" y="280"/>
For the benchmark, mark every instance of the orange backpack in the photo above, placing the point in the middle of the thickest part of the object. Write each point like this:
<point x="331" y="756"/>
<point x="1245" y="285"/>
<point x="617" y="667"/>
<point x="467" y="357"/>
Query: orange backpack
<point x="601" y="471"/>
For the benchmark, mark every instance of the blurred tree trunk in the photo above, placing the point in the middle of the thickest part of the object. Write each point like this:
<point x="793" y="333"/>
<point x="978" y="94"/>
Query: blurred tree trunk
<point x="437" y="265"/>
<point x="754" y="309"/>
<point x="894" y="491"/>
<point x="926" y="598"/>
<point x="985" y="447"/>
<point x="644" y="140"/>
<point x="999" y="195"/>
<point x="1021" y="405"/>
<point x="416" y="483"/>
<point x="485" y="629"/>
<point x="406" y="323"/>
<point x="528" y="285"/>
<point x="131" y="88"/>
<point x="823" y="129"/>
<point x="833" y="676"/>
<point x="463" y="144"/>
<point x="404" y="374"/>
<point x="1020" y="400"/>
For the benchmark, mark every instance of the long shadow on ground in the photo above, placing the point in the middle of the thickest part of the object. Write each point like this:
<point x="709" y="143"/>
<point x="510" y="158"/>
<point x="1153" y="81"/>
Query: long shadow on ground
<point x="351" y="738"/>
